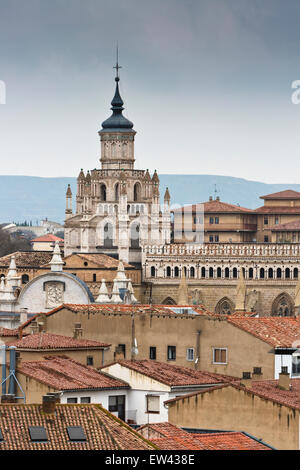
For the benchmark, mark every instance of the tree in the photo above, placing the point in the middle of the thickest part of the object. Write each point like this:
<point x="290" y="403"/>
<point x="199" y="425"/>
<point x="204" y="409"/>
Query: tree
<point x="10" y="244"/>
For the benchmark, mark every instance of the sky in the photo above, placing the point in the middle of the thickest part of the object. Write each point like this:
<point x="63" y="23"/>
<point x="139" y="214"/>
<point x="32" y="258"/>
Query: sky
<point x="207" y="83"/>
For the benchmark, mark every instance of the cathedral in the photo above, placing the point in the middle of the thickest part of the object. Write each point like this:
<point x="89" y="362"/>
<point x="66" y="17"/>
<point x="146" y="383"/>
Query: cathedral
<point x="118" y="207"/>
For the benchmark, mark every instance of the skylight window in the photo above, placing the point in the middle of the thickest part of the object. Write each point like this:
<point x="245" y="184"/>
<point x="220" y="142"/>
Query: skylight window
<point x="38" y="434"/>
<point x="76" y="434"/>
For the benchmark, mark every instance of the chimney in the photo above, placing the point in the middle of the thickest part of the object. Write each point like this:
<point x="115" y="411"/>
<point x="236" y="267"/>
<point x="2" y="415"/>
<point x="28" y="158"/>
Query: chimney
<point x="49" y="403"/>
<point x="217" y="198"/>
<point x="210" y="198"/>
<point x="8" y="398"/>
<point x="119" y="354"/>
<point x="284" y="379"/>
<point x="257" y="374"/>
<point x="77" y="332"/>
<point x="246" y="379"/>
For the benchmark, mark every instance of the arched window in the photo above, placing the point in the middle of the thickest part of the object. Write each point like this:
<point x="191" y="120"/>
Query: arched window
<point x="262" y="273"/>
<point x="176" y="271"/>
<point x="169" y="301"/>
<point x="25" y="278"/>
<point x="234" y="273"/>
<point x="219" y="272"/>
<point x="135" y="236"/>
<point x="185" y="271"/>
<point x="211" y="272"/>
<point x="226" y="273"/>
<point x="153" y="270"/>
<point x="117" y="192"/>
<point x="283" y="306"/>
<point x="287" y="273"/>
<point x="124" y="150"/>
<point x="203" y="272"/>
<point x="137" y="192"/>
<point x="278" y="273"/>
<point x="113" y="150"/>
<point x="103" y="192"/>
<point x="296" y="273"/>
<point x="250" y="273"/>
<point x="192" y="272"/>
<point x="225" y="306"/>
<point x="108" y="235"/>
<point x="168" y="271"/>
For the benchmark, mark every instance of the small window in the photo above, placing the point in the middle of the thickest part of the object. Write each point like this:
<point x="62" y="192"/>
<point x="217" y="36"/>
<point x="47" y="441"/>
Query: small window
<point x="211" y="238"/>
<point x="90" y="361"/>
<point x="85" y="400"/>
<point x="25" y="278"/>
<point x="211" y="220"/>
<point x="72" y="400"/>
<point x="217" y="238"/>
<point x="152" y="271"/>
<point x="76" y="434"/>
<point x="153" y="403"/>
<point x="38" y="434"/>
<point x="266" y="220"/>
<point x="220" y="356"/>
<point x="152" y="353"/>
<point x="171" y="353"/>
<point x="122" y="349"/>
<point x="216" y="220"/>
<point x="266" y="238"/>
<point x="86" y="263"/>
<point x="94" y="277"/>
<point x="190" y="354"/>
<point x="276" y="220"/>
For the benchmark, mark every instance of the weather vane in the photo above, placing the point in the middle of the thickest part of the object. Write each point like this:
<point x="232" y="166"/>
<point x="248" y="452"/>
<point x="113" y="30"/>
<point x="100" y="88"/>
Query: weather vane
<point x="117" y="66"/>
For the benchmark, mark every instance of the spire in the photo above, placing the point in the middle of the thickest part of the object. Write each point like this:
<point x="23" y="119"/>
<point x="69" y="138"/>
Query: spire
<point x="103" y="297"/>
<point x="115" y="298"/>
<point x="69" y="191"/>
<point x="81" y="176"/>
<point x="167" y="196"/>
<point x="183" y="297"/>
<point x="240" y="300"/>
<point x="117" y="122"/>
<point x="56" y="263"/>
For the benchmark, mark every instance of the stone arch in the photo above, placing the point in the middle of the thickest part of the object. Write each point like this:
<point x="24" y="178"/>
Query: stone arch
<point x="135" y="234"/>
<point x="168" y="301"/>
<point x="225" y="306"/>
<point x="137" y="190"/>
<point x="117" y="191"/>
<point x="103" y="192"/>
<point x="283" y="306"/>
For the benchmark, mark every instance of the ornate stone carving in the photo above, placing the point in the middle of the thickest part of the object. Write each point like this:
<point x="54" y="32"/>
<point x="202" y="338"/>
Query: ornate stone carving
<point x="54" y="294"/>
<point x="197" y="298"/>
<point x="252" y="299"/>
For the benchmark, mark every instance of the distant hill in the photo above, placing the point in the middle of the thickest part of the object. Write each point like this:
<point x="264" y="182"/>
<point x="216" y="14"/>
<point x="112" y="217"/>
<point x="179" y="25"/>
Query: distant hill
<point x="34" y="198"/>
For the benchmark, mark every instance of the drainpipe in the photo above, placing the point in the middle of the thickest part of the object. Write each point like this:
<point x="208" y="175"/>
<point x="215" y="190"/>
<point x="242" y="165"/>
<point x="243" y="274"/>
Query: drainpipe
<point x="3" y="362"/>
<point x="12" y="369"/>
<point x="197" y="350"/>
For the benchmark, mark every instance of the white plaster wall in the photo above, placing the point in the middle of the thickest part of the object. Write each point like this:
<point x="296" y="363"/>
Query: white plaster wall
<point x="282" y="360"/>
<point x="33" y="297"/>
<point x="136" y="380"/>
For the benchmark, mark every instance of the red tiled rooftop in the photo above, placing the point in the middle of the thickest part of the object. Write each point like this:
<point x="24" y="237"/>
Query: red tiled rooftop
<point x="27" y="258"/>
<point x="52" y="341"/>
<point x="173" y="375"/>
<point x="167" y="436"/>
<point x="102" y="260"/>
<point x="102" y="430"/>
<point x="288" y="227"/>
<point x="286" y="194"/>
<point x="213" y="207"/>
<point x="279" y="332"/>
<point x="48" y="238"/>
<point x="278" y="210"/>
<point x="8" y="332"/>
<point x="63" y="373"/>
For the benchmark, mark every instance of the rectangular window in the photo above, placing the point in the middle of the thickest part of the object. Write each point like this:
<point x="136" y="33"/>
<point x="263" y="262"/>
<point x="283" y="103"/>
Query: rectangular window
<point x="152" y="353"/>
<point x="89" y="361"/>
<point x="153" y="403"/>
<point x="171" y="353"/>
<point x="295" y="365"/>
<point x="266" y="220"/>
<point x="217" y="238"/>
<point x="122" y="349"/>
<point x="76" y="433"/>
<point x="72" y="400"/>
<point x="190" y="354"/>
<point x="216" y="220"/>
<point x="211" y="238"/>
<point x="116" y="405"/>
<point x="85" y="400"/>
<point x="220" y="355"/>
<point x="94" y="277"/>
<point x="211" y="220"/>
<point x="266" y="238"/>
<point x="276" y="220"/>
<point x="38" y="434"/>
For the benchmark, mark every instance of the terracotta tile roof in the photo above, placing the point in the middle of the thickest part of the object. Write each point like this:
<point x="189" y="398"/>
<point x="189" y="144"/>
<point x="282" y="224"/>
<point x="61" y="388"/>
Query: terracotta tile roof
<point x="9" y="332"/>
<point x="289" y="227"/>
<point x="27" y="258"/>
<point x="102" y="430"/>
<point x="278" y="210"/>
<point x="266" y="389"/>
<point x="287" y="194"/>
<point x="103" y="261"/>
<point x="173" y="375"/>
<point x="51" y="341"/>
<point x="167" y="436"/>
<point x="279" y="332"/>
<point x="214" y="207"/>
<point x="48" y="238"/>
<point x="63" y="373"/>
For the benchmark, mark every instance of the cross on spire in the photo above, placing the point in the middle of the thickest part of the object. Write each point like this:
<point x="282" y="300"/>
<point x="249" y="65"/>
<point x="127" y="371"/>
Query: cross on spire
<point x="117" y="66"/>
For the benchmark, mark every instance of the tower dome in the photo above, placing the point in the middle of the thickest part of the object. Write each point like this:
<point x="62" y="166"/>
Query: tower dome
<point x="117" y="122"/>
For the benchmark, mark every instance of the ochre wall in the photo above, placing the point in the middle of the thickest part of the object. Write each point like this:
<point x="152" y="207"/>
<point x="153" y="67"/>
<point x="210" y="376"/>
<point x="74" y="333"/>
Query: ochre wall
<point x="237" y="410"/>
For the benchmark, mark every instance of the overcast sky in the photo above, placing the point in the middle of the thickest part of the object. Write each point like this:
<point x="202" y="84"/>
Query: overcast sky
<point x="207" y="84"/>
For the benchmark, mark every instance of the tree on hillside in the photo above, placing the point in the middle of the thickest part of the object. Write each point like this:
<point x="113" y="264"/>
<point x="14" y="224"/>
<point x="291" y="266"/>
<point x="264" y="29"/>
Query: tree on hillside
<point x="60" y="234"/>
<point x="9" y="244"/>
